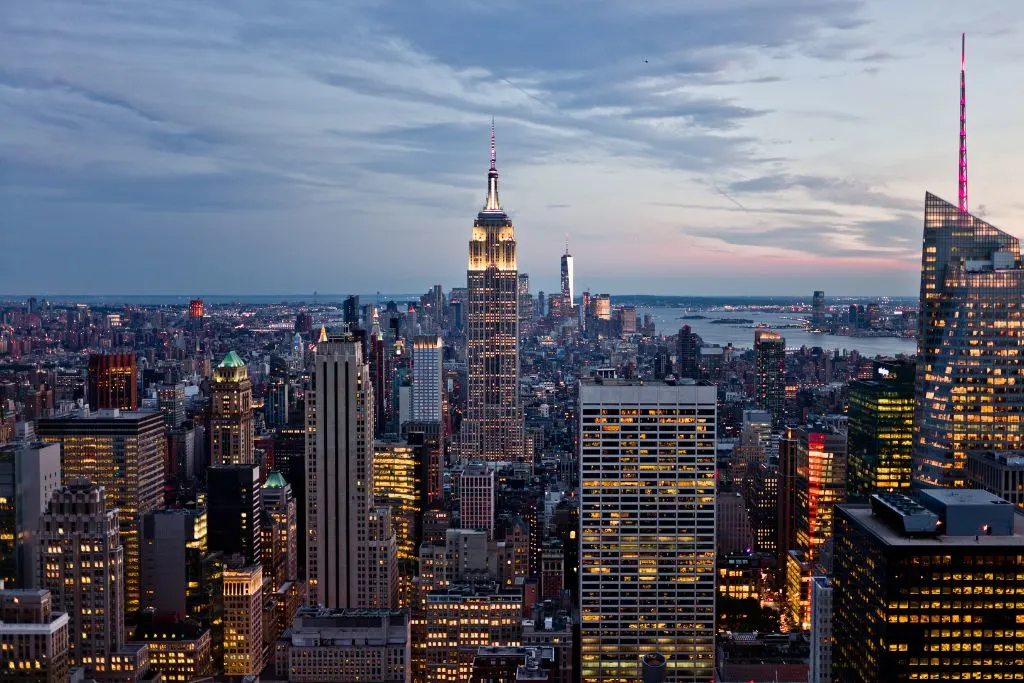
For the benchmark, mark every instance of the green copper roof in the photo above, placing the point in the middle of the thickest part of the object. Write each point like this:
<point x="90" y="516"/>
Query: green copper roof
<point x="275" y="481"/>
<point x="232" y="360"/>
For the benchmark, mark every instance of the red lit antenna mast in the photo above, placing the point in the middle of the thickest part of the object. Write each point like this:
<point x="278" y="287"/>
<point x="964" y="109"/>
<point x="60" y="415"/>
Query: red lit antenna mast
<point x="962" y="195"/>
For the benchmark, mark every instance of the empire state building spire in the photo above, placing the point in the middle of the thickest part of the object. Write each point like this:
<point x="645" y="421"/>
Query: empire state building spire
<point x="493" y="203"/>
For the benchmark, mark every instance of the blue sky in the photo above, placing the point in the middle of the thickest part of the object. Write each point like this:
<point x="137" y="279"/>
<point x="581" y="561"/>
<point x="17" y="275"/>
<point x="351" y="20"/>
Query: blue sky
<point x="697" y="147"/>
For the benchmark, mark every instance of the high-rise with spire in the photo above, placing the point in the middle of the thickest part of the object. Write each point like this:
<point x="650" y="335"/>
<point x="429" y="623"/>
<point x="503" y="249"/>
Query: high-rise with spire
<point x="969" y="388"/>
<point x="493" y="428"/>
<point x="567" y="277"/>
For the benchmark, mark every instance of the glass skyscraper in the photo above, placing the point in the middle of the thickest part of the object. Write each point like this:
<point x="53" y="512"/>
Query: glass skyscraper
<point x="880" y="434"/>
<point x="770" y="362"/>
<point x="969" y="389"/>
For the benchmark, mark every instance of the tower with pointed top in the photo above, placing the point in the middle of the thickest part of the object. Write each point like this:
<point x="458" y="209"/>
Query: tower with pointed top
<point x="231" y="413"/>
<point x="568" y="292"/>
<point x="493" y="428"/>
<point x="969" y="384"/>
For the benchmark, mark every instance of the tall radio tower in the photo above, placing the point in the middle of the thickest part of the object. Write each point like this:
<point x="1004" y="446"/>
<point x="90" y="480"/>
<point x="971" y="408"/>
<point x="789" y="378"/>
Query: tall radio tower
<point x="962" y="195"/>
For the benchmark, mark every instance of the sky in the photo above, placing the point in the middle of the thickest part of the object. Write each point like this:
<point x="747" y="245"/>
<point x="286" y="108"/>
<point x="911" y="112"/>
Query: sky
<point x="697" y="147"/>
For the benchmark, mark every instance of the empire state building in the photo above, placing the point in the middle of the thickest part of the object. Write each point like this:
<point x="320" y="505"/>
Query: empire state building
<point x="493" y="428"/>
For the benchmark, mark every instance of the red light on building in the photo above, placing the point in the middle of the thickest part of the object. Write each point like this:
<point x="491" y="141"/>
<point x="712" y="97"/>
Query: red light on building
<point x="195" y="308"/>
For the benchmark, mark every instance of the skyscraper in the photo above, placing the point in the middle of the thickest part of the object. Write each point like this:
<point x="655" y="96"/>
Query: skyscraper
<point x="427" y="379"/>
<point x="279" y="547"/>
<point x="881" y="430"/>
<point x="171" y="399"/>
<point x="124" y="453"/>
<point x="647" y="581"/>
<point x="969" y="345"/>
<point x="113" y="381"/>
<point x="233" y="505"/>
<point x="818" y="310"/>
<point x="924" y="590"/>
<point x="476" y="498"/>
<point x="82" y="566"/>
<point x="243" y="620"/>
<point x="29" y="474"/>
<point x="339" y="469"/>
<point x="174" y="543"/>
<point x="770" y="362"/>
<point x="493" y="428"/>
<point x="525" y="304"/>
<point x="231" y="425"/>
<point x="568" y="290"/>
<point x="35" y="637"/>
<point x="969" y="389"/>
<point x="688" y="354"/>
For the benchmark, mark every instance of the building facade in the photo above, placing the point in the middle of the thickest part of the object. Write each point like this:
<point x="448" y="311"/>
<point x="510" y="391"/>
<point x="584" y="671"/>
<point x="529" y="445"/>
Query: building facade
<point x="969" y="389"/>
<point x="29" y="475"/>
<point x="124" y="453"/>
<point x="493" y="427"/>
<point x="234" y="504"/>
<point x="231" y="413"/>
<point x="476" y="498"/>
<point x="280" y="531"/>
<point x="113" y="381"/>
<point x="82" y="565"/>
<point x="35" y="637"/>
<point x="647" y="582"/>
<point x="243" y="620"/>
<point x="427" y="379"/>
<point x="770" y="366"/>
<point x="881" y="430"/>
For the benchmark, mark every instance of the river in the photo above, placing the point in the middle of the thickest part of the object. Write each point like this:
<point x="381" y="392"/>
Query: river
<point x="668" y="321"/>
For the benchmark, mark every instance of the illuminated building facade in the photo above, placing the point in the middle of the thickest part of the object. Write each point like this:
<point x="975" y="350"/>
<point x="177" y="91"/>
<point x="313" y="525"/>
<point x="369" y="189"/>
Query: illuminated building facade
<point x="113" y="381"/>
<point x="34" y="638"/>
<point x="818" y="310"/>
<point x="398" y="482"/>
<point x="881" y="430"/>
<point x="345" y="645"/>
<point x="29" y="474"/>
<point x="763" y="506"/>
<point x="339" y="474"/>
<point x="928" y="589"/>
<point x="998" y="472"/>
<point x="821" y="630"/>
<point x="231" y="419"/>
<point x="171" y="399"/>
<point x="180" y="651"/>
<point x="123" y="453"/>
<point x="82" y="565"/>
<point x="243" y="620"/>
<point x="427" y="379"/>
<point x="770" y="366"/>
<point x="647" y="580"/>
<point x="970" y="379"/>
<point x="195" y="308"/>
<point x="493" y="426"/>
<point x="476" y="498"/>
<point x="457" y="621"/>
<point x="821" y="485"/>
<point x="280" y="531"/>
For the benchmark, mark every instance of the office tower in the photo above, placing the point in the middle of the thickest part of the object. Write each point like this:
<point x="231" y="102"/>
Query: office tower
<point x="568" y="290"/>
<point x="452" y="626"/>
<point x="476" y="498"/>
<point x="971" y="286"/>
<point x="171" y="399"/>
<point x="647" y="582"/>
<point x="233" y="507"/>
<point x="881" y="430"/>
<point x="29" y="474"/>
<point x="969" y="335"/>
<point x="381" y="560"/>
<point x="770" y="365"/>
<point x="688" y="353"/>
<point x="627" y="320"/>
<point x="821" y="630"/>
<point x="428" y="438"/>
<point x="82" y="565"/>
<point x="303" y="323"/>
<point x="174" y="545"/>
<point x="348" y="645"/>
<point x="178" y="650"/>
<point x="277" y="401"/>
<point x="35" y="637"/>
<point x="243" y="620"/>
<point x="818" y="310"/>
<point x="427" y="379"/>
<point x="787" y="497"/>
<point x="339" y="470"/>
<point x="552" y="570"/>
<point x="923" y="590"/>
<point x="279" y="546"/>
<point x="525" y="304"/>
<point x="195" y="308"/>
<point x="123" y="453"/>
<point x="231" y="426"/>
<point x="399" y="482"/>
<point x="113" y="381"/>
<point x="734" y="531"/>
<point x="350" y="311"/>
<point x="493" y="427"/>
<point x="762" y="498"/>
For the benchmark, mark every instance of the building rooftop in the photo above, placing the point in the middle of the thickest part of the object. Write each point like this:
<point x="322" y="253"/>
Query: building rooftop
<point x="275" y="480"/>
<point x="1004" y="458"/>
<point x="894" y="536"/>
<point x="232" y="360"/>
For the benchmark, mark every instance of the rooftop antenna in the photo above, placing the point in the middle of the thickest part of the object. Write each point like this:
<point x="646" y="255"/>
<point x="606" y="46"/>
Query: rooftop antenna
<point x="962" y="193"/>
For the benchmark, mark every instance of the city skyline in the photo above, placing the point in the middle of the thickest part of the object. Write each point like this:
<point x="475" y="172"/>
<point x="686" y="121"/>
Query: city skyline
<point x="280" y="132"/>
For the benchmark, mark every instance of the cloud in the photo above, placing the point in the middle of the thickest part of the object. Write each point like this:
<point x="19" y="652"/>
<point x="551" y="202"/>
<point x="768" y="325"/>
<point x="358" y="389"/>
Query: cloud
<point x="848" y="191"/>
